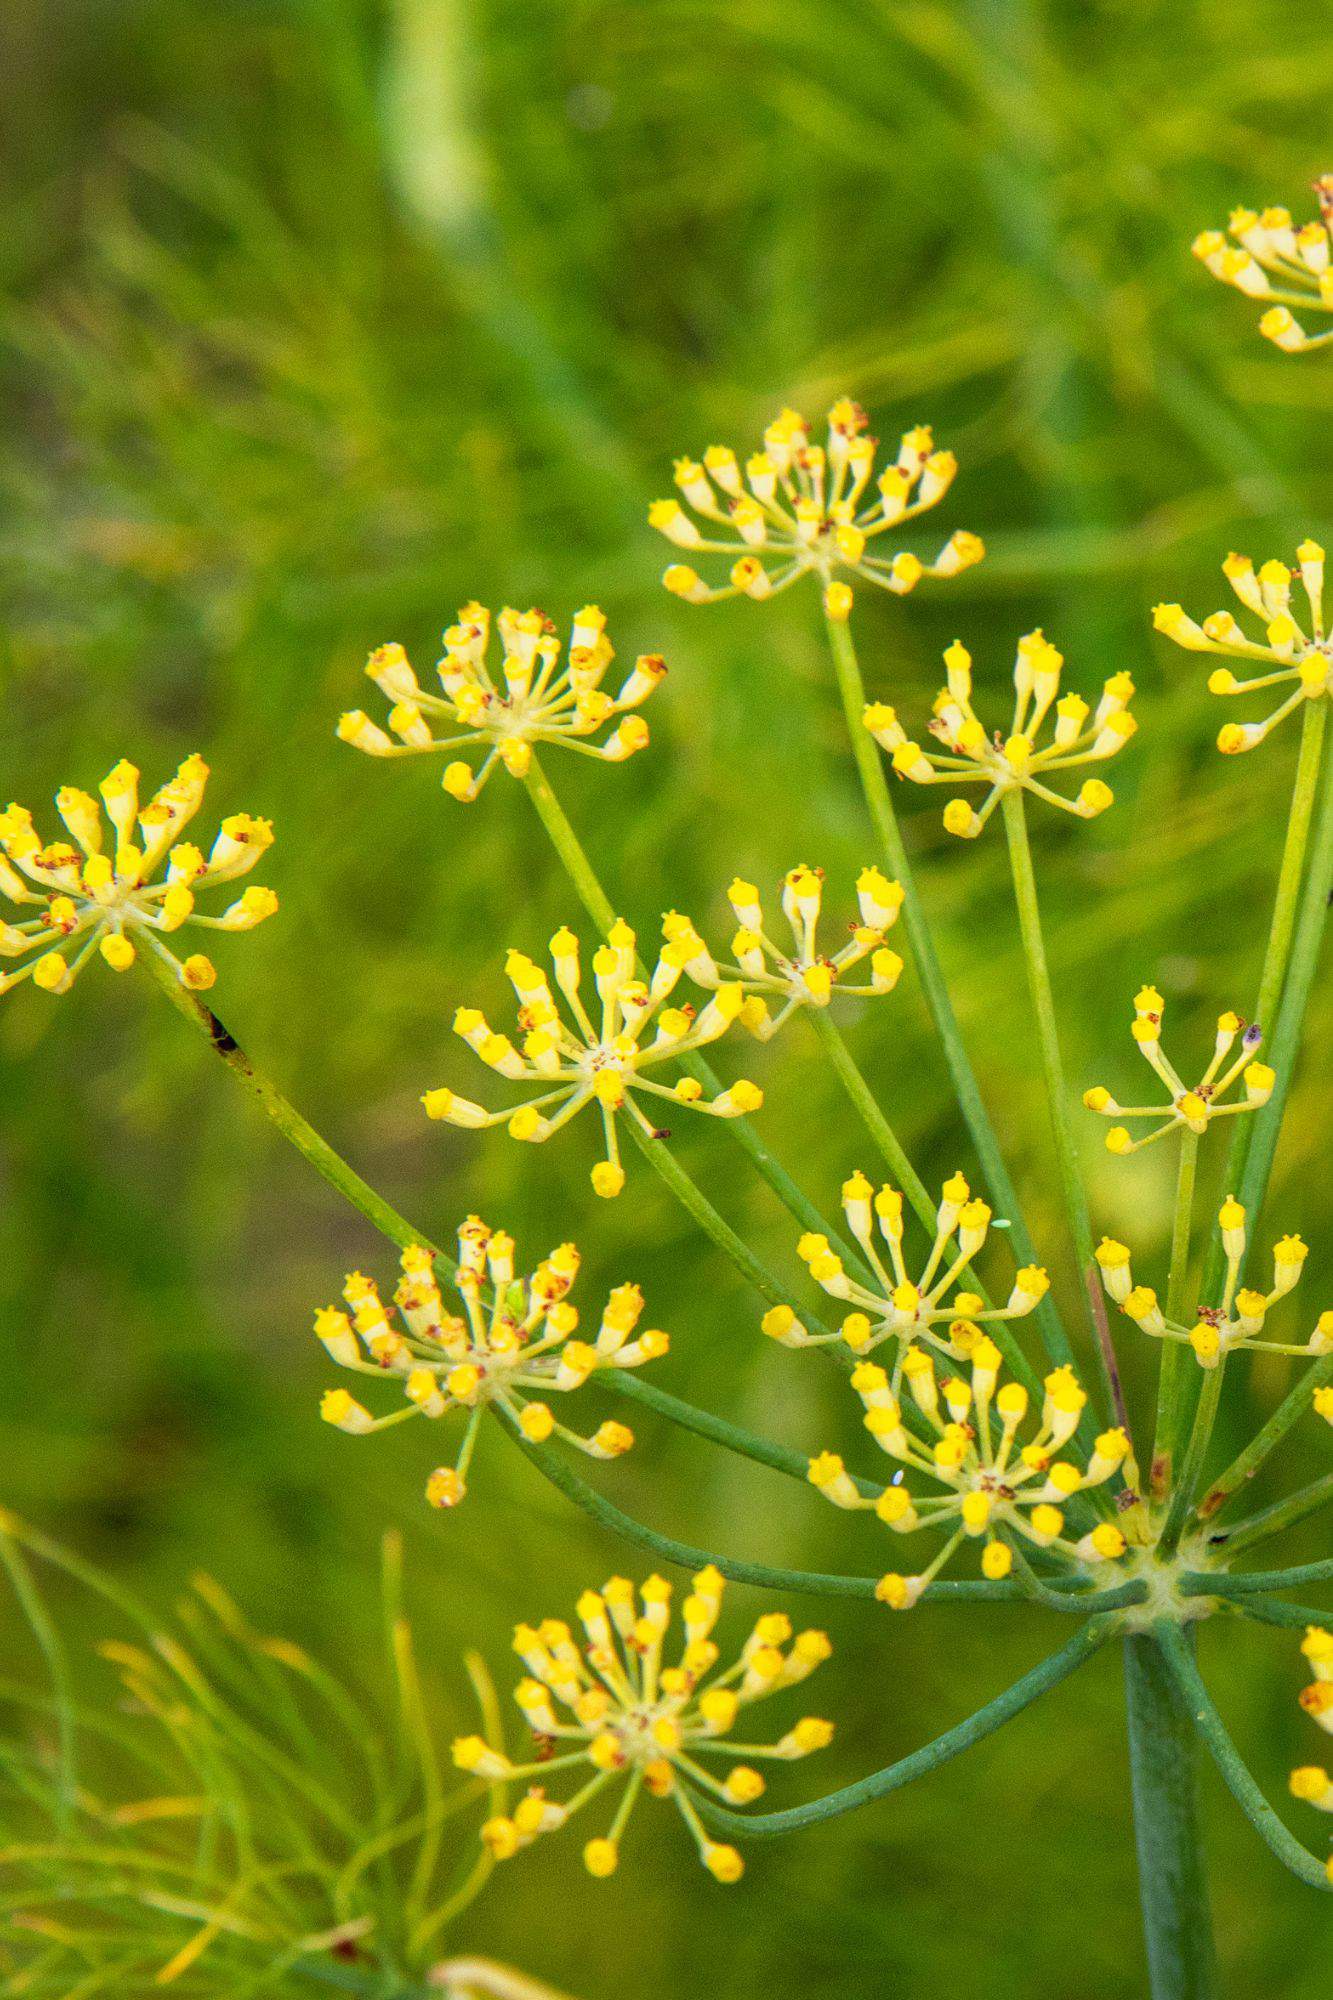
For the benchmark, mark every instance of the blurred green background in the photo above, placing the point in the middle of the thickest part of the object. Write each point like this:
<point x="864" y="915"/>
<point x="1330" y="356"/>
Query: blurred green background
<point x="322" y="316"/>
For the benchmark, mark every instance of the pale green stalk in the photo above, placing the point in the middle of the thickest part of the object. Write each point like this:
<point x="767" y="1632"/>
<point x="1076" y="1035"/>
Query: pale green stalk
<point x="1196" y="1453"/>
<point x="1048" y="1042"/>
<point x="812" y="1583"/>
<point x="1166" y="1437"/>
<point x="973" y="1729"/>
<point x="288" y="1120"/>
<point x="1256" y="1582"/>
<point x="696" y="1204"/>
<point x="1302" y="964"/>
<point x="877" y="1125"/>
<point x="1281" y="1514"/>
<point x="1203" y="1712"/>
<point x="1243" y="1467"/>
<point x="864" y="1102"/>
<point x="587" y="886"/>
<point x="1277" y="951"/>
<point x="879" y="803"/>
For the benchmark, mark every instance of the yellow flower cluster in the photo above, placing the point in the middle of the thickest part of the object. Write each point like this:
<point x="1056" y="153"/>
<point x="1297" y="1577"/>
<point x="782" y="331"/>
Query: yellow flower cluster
<point x="576" y="1062"/>
<point x="1311" y="1783"/>
<point x="901" y="1307"/>
<point x="800" y="975"/>
<point x="1301" y="661"/>
<point x="511" y="1346"/>
<point x="1241" y="1314"/>
<point x="1190" y="1110"/>
<point x="535" y="698"/>
<point x="995" y="1489"/>
<point x="1270" y="258"/>
<point x="642" y="1725"/>
<point x="99" y="894"/>
<point x="972" y="756"/>
<point x="810" y="509"/>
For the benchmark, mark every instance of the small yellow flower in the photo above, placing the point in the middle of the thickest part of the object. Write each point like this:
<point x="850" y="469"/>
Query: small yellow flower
<point x="996" y="1491"/>
<point x="611" y="1712"/>
<point x="1190" y="1109"/>
<point x="970" y="755"/>
<point x="1269" y="258"/>
<point x="511" y="1347"/>
<point x="808" y="509"/>
<point x="1295" y="658"/>
<point x="902" y="1307"/>
<point x="576" y="1061"/>
<point x="798" y="975"/>
<point x="1238" y="1317"/>
<point x="100" y="895"/>
<point x="534" y="698"/>
<point x="1311" y="1783"/>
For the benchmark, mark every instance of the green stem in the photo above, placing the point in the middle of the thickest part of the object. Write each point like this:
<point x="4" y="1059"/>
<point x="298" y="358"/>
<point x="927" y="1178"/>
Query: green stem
<point x="1171" y="1402"/>
<point x="288" y="1120"/>
<point x="1282" y="1514"/>
<point x="1177" y="1923"/>
<point x="1043" y="1008"/>
<point x="1202" y="1711"/>
<point x="848" y="1073"/>
<point x="716" y="1429"/>
<point x="1048" y="1041"/>
<point x="877" y="1125"/>
<point x="1205" y="1416"/>
<point x="1273" y="1611"/>
<point x="696" y="1204"/>
<point x="874" y="784"/>
<point x="573" y="856"/>
<point x="1278" y="949"/>
<point x="1254" y="1582"/>
<point x="1302" y="965"/>
<point x="982" y="1723"/>
<point x="574" y="859"/>
<point x="812" y="1583"/>
<point x="1244" y="1466"/>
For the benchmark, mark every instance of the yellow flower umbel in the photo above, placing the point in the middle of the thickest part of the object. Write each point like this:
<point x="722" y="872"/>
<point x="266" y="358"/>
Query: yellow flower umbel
<point x="1190" y="1110"/>
<point x="511" y="1347"/>
<point x="971" y="756"/>
<point x="803" y="508"/>
<point x="98" y="892"/>
<point x="1270" y="258"/>
<point x="612" y="1707"/>
<point x="903" y="1307"/>
<point x="534" y="698"/>
<point x="777" y="982"/>
<point x="576" y="1062"/>
<point x="1241" y="1315"/>
<point x="1311" y="1783"/>
<point x="1300" y="660"/>
<point x="996" y="1490"/>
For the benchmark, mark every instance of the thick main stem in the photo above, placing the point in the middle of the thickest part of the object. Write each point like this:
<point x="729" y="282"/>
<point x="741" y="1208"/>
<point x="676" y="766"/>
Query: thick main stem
<point x="879" y="803"/>
<point x="1177" y="1923"/>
